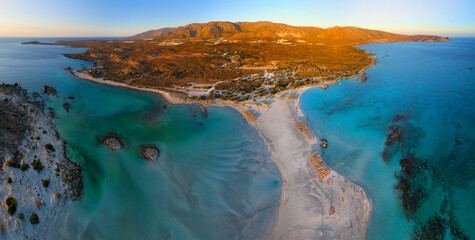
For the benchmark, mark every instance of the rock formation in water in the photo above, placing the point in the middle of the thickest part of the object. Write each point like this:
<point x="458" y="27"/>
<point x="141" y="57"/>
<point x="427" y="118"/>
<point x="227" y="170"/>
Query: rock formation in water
<point x="50" y="91"/>
<point x="66" y="106"/>
<point x="112" y="141"/>
<point x="150" y="152"/>
<point x="31" y="42"/>
<point x="411" y="190"/>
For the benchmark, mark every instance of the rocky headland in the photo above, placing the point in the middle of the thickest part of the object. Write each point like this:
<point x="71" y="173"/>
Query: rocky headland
<point x="36" y="177"/>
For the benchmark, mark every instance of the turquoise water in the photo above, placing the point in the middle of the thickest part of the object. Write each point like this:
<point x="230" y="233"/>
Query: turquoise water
<point x="214" y="179"/>
<point x="432" y="86"/>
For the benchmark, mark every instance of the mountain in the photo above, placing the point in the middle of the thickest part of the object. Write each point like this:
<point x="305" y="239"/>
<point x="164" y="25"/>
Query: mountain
<point x="276" y="31"/>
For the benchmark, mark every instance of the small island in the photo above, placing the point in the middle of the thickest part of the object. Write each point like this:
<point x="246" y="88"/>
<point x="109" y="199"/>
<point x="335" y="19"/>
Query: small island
<point x="150" y="152"/>
<point x="112" y="141"/>
<point x="31" y="42"/>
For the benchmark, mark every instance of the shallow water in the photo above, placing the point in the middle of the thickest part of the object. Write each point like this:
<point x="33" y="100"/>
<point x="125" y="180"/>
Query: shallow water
<point x="431" y="85"/>
<point x="214" y="179"/>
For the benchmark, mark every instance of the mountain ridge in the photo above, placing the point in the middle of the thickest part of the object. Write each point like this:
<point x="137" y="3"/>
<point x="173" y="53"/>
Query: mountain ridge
<point x="246" y="31"/>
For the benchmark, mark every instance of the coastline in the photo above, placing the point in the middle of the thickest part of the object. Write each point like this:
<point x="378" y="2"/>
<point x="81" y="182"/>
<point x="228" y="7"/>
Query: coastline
<point x="43" y="144"/>
<point x="306" y="200"/>
<point x="168" y="96"/>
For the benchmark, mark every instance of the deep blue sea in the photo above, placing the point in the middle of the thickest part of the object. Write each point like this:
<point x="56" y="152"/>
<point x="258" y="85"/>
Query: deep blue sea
<point x="214" y="179"/>
<point x="426" y="93"/>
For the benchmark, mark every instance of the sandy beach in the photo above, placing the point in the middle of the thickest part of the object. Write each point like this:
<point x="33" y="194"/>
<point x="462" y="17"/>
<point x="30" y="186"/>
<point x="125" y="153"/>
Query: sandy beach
<point x="306" y="200"/>
<point x="168" y="96"/>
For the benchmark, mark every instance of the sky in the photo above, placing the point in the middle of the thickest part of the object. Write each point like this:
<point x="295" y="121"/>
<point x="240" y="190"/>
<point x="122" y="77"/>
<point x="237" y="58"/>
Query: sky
<point x="114" y="18"/>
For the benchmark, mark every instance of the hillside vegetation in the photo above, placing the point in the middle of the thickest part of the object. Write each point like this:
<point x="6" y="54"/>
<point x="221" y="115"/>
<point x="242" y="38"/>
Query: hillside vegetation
<point x="239" y="56"/>
<point x="275" y="31"/>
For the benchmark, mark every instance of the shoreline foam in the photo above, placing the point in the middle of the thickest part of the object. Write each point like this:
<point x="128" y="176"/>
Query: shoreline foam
<point x="305" y="200"/>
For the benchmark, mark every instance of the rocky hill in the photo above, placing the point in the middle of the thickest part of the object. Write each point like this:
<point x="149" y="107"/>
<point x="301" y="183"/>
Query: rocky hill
<point x="276" y="31"/>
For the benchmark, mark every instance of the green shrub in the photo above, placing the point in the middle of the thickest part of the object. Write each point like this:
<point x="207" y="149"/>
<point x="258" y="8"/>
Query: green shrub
<point x="50" y="148"/>
<point x="21" y="216"/>
<point x="9" y="180"/>
<point x="25" y="167"/>
<point x="45" y="182"/>
<point x="13" y="164"/>
<point x="34" y="219"/>
<point x="36" y="164"/>
<point x="10" y="201"/>
<point x="11" y="209"/>
<point x="11" y="205"/>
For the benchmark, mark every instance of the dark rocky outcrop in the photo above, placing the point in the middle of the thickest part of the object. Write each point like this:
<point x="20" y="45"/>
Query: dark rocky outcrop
<point x="31" y="42"/>
<point x="51" y="112"/>
<point x="19" y="117"/>
<point x="112" y="141"/>
<point x="402" y="138"/>
<point x="150" y="152"/>
<point x="72" y="176"/>
<point x="50" y="91"/>
<point x="395" y="135"/>
<point x="410" y="186"/>
<point x="14" y="121"/>
<point x="66" y="106"/>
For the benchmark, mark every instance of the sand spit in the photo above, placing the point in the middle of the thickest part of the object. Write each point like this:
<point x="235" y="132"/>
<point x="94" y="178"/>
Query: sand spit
<point x="308" y="201"/>
<point x="34" y="171"/>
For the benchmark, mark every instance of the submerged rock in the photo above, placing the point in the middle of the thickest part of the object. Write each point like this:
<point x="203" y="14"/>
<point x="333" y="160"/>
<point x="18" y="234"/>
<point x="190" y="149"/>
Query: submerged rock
<point x="50" y="91"/>
<point x="112" y="141"/>
<point x="150" y="152"/>
<point x="51" y="112"/>
<point x="66" y="106"/>
<point x="398" y="117"/>
<point x="410" y="187"/>
<point x="394" y="136"/>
